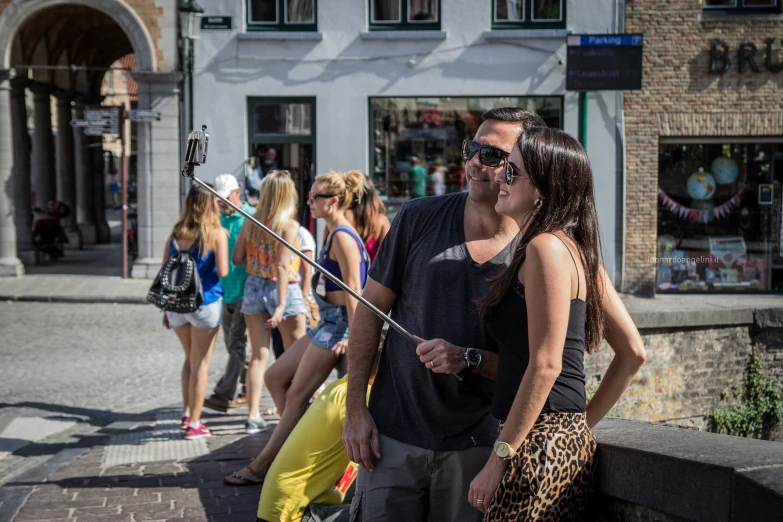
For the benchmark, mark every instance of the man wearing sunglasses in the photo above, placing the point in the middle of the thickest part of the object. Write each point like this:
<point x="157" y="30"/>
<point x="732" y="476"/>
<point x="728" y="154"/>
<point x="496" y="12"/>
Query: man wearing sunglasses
<point x="425" y="435"/>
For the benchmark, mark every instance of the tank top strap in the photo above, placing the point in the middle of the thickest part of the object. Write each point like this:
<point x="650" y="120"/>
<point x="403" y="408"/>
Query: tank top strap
<point x="574" y="261"/>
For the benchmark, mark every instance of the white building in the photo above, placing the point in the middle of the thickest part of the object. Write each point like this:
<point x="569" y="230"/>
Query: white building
<point x="366" y="84"/>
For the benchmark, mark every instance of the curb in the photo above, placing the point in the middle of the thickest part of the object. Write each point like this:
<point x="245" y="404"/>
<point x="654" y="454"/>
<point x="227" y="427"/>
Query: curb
<point x="74" y="299"/>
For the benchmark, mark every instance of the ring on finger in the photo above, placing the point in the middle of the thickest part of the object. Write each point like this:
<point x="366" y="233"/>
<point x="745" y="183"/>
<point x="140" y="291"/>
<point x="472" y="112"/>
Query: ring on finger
<point x="432" y="364"/>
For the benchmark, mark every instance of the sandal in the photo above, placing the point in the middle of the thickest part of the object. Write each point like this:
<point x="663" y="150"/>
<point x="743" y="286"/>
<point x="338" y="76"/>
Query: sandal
<point x="271" y="412"/>
<point x="244" y="481"/>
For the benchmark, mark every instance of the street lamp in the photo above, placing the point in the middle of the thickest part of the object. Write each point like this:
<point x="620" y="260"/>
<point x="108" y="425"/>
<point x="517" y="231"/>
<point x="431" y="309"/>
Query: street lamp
<point x="190" y="20"/>
<point x="190" y="27"/>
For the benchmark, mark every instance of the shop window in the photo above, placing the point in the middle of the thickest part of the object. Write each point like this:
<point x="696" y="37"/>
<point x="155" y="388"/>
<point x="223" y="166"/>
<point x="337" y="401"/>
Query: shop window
<point x="281" y="15"/>
<point x="404" y="14"/>
<point x="741" y="6"/>
<point x="719" y="217"/>
<point x="409" y="135"/>
<point x="528" y="14"/>
<point x="281" y="119"/>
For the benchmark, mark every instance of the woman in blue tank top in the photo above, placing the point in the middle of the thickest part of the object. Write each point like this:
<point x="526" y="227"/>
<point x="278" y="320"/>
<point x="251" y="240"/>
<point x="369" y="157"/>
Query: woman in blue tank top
<point x="199" y="225"/>
<point x="298" y="373"/>
<point x="544" y="312"/>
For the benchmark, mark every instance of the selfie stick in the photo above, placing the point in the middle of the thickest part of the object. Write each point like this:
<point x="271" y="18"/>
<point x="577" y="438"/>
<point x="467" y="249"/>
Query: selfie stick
<point x="192" y="159"/>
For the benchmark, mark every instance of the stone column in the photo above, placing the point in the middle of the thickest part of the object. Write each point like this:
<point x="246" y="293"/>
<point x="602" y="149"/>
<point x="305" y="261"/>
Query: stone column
<point x="10" y="265"/>
<point x="102" y="231"/>
<point x="66" y="173"/>
<point x="22" y="193"/>
<point x="158" y="170"/>
<point x="44" y="178"/>
<point x="85" y="199"/>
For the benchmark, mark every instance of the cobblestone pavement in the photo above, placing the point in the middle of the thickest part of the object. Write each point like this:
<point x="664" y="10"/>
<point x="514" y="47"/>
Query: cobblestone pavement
<point x="183" y="490"/>
<point x="94" y="362"/>
<point x="109" y="374"/>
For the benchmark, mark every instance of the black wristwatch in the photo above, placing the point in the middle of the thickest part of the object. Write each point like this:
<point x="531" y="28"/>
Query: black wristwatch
<point x="472" y="358"/>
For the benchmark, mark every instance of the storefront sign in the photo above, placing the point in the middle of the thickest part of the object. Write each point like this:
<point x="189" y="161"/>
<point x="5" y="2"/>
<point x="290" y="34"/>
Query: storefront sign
<point x="748" y="56"/>
<point x="610" y="62"/>
<point x="216" y="22"/>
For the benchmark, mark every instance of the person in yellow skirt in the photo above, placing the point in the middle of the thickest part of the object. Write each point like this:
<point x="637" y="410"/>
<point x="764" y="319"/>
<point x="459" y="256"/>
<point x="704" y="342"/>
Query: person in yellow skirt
<point x="312" y="466"/>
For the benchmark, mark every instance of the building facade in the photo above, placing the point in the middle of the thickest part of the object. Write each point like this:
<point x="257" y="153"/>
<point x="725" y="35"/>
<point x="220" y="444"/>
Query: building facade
<point x="60" y="50"/>
<point x="382" y="85"/>
<point x="704" y="142"/>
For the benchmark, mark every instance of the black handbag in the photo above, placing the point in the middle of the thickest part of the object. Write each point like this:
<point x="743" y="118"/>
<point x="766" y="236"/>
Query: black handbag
<point x="177" y="287"/>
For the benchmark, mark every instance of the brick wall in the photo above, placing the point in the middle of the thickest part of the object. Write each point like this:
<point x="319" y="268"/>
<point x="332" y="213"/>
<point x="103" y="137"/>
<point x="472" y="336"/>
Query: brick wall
<point x="150" y="14"/>
<point x="681" y="98"/>
<point x="687" y="370"/>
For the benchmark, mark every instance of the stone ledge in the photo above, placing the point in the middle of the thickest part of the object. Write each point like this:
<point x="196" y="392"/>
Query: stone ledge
<point x="74" y="299"/>
<point x="510" y="34"/>
<point x="690" y="474"/>
<point x="403" y="35"/>
<point x="694" y="311"/>
<point x="286" y="36"/>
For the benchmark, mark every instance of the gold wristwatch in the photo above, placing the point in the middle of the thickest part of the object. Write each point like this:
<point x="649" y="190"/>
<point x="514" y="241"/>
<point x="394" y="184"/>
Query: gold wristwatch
<point x="504" y="450"/>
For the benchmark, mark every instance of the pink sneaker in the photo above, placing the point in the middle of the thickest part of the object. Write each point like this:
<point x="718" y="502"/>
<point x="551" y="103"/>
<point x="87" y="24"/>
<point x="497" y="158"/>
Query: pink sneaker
<point x="185" y="421"/>
<point x="197" y="433"/>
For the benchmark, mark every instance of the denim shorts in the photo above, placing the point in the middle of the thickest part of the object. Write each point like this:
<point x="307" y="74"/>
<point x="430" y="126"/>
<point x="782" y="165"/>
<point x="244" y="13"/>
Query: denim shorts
<point x="261" y="298"/>
<point x="333" y="326"/>
<point x="207" y="316"/>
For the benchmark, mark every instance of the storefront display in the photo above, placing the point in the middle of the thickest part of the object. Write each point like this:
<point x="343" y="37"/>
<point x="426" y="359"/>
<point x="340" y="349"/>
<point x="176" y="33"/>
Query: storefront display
<point x="412" y="133"/>
<point x="719" y="223"/>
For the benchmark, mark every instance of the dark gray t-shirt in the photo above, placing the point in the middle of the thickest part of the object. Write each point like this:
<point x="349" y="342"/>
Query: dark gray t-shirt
<point x="424" y="260"/>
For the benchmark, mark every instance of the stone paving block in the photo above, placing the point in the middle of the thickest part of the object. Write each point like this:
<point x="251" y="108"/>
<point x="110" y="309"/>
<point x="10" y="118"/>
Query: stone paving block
<point x="151" y="511"/>
<point x="48" y="503"/>
<point x="102" y="492"/>
<point x="141" y="498"/>
<point x="55" y="520"/>
<point x="41" y="514"/>
<point x="234" y="517"/>
<point x="194" y="512"/>
<point x="225" y="491"/>
<point x="140" y="481"/>
<point x="195" y="502"/>
<point x="245" y="507"/>
<point x="176" y="493"/>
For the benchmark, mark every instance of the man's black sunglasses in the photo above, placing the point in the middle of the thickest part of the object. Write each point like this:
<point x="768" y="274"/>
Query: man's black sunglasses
<point x="488" y="155"/>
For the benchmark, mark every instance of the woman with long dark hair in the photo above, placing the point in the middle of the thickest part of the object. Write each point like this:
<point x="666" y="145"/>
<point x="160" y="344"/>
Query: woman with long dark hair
<point x="367" y="214"/>
<point x="554" y="303"/>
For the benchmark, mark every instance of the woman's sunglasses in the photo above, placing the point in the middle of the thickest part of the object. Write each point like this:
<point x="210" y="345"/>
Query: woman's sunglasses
<point x="314" y="196"/>
<point x="488" y="156"/>
<point x="511" y="172"/>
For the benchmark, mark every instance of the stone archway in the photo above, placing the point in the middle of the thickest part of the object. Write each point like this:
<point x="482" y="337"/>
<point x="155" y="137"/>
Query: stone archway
<point x="16" y="14"/>
<point x="157" y="90"/>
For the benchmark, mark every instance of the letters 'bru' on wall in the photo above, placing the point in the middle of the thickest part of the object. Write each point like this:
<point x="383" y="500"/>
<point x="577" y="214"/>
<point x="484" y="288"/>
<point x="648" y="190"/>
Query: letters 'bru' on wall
<point x="720" y="62"/>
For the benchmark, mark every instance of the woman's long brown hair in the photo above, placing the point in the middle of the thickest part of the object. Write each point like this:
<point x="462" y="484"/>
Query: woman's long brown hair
<point x="366" y="206"/>
<point x="199" y="220"/>
<point x="559" y="168"/>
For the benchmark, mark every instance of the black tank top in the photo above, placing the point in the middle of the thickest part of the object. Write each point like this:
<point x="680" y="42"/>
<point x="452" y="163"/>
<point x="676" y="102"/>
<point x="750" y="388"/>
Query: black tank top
<point x="508" y="327"/>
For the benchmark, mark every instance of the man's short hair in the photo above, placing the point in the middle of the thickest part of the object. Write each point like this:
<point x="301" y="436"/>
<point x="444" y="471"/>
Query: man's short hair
<point x="514" y="115"/>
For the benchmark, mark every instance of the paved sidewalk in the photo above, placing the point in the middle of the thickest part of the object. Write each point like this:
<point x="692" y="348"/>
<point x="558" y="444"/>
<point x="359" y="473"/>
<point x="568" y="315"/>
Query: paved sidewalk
<point x="145" y="473"/>
<point x="74" y="288"/>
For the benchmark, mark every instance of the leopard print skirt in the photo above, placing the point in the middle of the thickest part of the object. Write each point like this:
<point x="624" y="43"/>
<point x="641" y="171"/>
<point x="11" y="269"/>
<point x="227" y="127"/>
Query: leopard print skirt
<point x="551" y="477"/>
